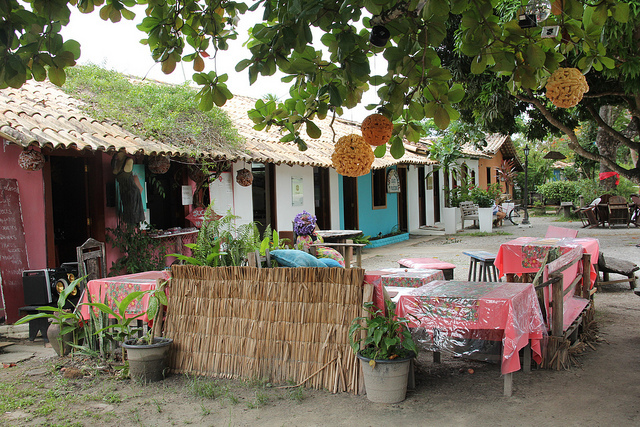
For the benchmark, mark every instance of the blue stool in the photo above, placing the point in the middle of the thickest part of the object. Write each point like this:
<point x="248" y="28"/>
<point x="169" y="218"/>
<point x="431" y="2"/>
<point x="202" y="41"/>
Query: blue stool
<point x="484" y="261"/>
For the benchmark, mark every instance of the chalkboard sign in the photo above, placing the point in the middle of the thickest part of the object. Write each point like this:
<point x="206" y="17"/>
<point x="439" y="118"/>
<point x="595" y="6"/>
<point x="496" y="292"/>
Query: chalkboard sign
<point x="13" y="249"/>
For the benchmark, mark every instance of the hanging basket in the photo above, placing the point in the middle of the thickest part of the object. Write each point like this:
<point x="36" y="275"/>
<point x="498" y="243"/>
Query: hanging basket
<point x="31" y="160"/>
<point x="244" y="177"/>
<point x="159" y="164"/>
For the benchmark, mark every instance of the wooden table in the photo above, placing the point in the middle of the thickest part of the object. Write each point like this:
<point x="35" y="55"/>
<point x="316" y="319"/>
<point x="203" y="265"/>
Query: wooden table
<point x="338" y="239"/>
<point x="462" y="310"/>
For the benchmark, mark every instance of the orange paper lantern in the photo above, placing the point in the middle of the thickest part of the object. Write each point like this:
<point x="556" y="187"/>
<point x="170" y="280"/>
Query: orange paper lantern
<point x="376" y="129"/>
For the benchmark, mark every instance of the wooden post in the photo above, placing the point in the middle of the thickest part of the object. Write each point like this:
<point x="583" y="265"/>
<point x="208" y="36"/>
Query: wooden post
<point x="557" y="306"/>
<point x="508" y="384"/>
<point x="526" y="362"/>
<point x="586" y="276"/>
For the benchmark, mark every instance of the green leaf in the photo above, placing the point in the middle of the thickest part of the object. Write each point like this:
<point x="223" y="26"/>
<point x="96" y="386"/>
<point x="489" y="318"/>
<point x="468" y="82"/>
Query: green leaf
<point x="312" y="130"/>
<point x="621" y="12"/>
<point x="57" y="76"/>
<point x="397" y="147"/>
<point x="441" y="118"/>
<point x="380" y="151"/>
<point x="479" y="64"/>
<point x="534" y="56"/>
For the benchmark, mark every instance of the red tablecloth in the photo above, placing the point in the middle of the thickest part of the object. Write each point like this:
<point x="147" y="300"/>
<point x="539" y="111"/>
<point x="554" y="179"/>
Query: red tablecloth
<point x="459" y="309"/>
<point x="115" y="289"/>
<point x="526" y="254"/>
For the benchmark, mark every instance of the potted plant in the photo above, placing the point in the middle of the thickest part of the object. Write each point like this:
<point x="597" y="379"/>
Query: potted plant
<point x="383" y="344"/>
<point x="485" y="199"/>
<point x="64" y="331"/>
<point x="146" y="357"/>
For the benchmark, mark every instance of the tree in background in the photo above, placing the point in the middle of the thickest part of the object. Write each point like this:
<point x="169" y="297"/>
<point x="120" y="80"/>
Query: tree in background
<point x="415" y="38"/>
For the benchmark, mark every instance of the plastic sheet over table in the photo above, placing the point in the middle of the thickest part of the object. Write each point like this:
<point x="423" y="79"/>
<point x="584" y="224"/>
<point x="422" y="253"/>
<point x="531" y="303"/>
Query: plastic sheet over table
<point x="466" y="318"/>
<point x="526" y="254"/>
<point x="398" y="280"/>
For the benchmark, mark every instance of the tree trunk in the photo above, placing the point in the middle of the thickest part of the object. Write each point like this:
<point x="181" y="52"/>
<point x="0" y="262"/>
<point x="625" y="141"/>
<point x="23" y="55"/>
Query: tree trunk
<point x="607" y="147"/>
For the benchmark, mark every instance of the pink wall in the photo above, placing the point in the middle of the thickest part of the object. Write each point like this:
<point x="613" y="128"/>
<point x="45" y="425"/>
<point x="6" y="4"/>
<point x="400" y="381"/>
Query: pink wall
<point x="31" y="187"/>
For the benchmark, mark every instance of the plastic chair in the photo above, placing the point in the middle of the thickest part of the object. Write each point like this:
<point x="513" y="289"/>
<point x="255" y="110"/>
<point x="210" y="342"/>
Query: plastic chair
<point x="554" y="231"/>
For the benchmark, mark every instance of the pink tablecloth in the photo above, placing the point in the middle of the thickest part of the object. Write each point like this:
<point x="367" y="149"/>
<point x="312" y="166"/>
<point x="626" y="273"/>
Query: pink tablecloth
<point x="401" y="277"/>
<point x="526" y="254"/>
<point x="460" y="309"/>
<point x="115" y="289"/>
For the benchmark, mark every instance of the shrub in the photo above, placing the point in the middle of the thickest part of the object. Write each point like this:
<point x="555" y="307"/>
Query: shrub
<point x="559" y="191"/>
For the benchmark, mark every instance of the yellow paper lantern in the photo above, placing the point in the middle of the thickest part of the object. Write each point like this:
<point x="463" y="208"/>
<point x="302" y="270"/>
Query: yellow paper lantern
<point x="352" y="156"/>
<point x="565" y="87"/>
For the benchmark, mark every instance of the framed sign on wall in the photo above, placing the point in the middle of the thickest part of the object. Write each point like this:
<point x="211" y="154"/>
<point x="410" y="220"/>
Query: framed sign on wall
<point x="393" y="181"/>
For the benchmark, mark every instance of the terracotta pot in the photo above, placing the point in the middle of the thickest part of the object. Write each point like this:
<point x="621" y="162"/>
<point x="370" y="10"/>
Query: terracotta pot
<point x="53" y="333"/>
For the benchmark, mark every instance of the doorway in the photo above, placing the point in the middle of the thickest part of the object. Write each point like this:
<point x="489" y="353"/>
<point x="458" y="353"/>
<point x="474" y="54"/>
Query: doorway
<point x="350" y="202"/>
<point x="422" y="197"/>
<point x="322" y="197"/>
<point x="403" y="219"/>
<point x="263" y="195"/>
<point x="436" y="196"/>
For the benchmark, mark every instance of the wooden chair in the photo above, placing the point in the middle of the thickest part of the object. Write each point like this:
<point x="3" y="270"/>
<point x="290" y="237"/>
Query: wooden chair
<point x="618" y="211"/>
<point x="469" y="211"/>
<point x="254" y="259"/>
<point x="603" y="209"/>
<point x="92" y="260"/>
<point x="553" y="231"/>
<point x="634" y="210"/>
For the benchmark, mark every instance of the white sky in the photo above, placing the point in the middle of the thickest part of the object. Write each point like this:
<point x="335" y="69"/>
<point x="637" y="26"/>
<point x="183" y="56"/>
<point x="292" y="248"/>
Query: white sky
<point x="117" y="47"/>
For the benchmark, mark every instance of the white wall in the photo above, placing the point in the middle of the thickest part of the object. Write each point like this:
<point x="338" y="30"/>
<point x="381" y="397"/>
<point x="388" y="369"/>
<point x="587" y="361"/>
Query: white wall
<point x="429" y="199"/>
<point x="285" y="211"/>
<point x="413" y="208"/>
<point x="335" y="202"/>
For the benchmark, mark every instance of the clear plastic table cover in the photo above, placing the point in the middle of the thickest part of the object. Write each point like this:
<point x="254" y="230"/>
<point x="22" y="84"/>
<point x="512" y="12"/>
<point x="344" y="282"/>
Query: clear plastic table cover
<point x="476" y="319"/>
<point x="526" y="254"/>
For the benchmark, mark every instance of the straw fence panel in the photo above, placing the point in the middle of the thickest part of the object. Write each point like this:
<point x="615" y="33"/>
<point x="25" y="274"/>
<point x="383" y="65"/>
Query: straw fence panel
<point x="284" y="324"/>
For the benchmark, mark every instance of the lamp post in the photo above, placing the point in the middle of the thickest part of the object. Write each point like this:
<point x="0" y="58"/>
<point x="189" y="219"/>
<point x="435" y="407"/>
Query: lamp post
<point x="525" y="220"/>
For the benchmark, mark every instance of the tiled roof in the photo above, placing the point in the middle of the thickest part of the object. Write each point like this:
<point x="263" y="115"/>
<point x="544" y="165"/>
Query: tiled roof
<point x="495" y="142"/>
<point x="265" y="146"/>
<point x="41" y="114"/>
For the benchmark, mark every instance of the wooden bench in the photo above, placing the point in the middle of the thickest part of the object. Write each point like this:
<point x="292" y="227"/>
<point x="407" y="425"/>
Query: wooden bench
<point x="566" y="301"/>
<point x="469" y="211"/>
<point x="608" y="265"/>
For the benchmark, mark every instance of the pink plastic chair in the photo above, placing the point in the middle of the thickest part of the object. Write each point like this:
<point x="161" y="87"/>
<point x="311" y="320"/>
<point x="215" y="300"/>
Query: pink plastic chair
<point x="554" y="231"/>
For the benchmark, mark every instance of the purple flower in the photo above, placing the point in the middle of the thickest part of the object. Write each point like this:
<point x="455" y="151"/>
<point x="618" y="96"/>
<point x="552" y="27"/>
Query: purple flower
<point x="304" y="223"/>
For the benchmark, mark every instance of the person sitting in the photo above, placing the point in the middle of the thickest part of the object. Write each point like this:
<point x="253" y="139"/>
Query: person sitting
<point x="499" y="213"/>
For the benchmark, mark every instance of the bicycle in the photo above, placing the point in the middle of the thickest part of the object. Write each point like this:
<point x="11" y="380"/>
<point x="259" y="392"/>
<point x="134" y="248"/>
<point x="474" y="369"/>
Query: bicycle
<point x="513" y="214"/>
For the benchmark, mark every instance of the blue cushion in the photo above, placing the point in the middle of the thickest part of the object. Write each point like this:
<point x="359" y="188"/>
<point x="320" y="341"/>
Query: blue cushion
<point x="296" y="258"/>
<point x="330" y="262"/>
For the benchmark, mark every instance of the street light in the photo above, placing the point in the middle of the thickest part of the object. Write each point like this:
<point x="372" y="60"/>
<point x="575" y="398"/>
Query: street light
<point x="525" y="220"/>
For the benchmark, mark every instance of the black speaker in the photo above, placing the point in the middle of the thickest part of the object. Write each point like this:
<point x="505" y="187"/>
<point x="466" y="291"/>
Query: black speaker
<point x="43" y="287"/>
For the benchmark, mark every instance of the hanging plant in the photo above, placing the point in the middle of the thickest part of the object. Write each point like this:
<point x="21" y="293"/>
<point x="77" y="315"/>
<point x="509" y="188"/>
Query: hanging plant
<point x="566" y="86"/>
<point x="244" y="177"/>
<point x="352" y="156"/>
<point x="31" y="160"/>
<point x="376" y="129"/>
<point x="159" y="164"/>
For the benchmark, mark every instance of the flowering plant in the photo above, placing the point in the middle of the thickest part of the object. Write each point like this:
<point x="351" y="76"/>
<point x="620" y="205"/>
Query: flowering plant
<point x="304" y="223"/>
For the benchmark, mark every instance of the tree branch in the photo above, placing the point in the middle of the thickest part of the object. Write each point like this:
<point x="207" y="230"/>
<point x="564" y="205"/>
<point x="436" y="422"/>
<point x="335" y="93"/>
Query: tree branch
<point x="615" y="134"/>
<point x="573" y="138"/>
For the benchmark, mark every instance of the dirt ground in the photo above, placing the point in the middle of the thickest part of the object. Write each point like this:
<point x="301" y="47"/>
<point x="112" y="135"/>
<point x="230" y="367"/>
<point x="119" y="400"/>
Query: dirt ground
<point x="603" y="389"/>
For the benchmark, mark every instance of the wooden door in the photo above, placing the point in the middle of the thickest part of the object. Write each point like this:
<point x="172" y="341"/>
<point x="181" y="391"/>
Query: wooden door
<point x="350" y="202"/>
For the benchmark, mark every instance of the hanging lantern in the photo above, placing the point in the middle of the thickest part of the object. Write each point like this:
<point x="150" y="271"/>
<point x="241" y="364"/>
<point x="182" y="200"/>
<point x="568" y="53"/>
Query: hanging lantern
<point x="376" y="129"/>
<point x="352" y="156"/>
<point x="159" y="164"/>
<point x="244" y="177"/>
<point x="565" y="87"/>
<point x="31" y="160"/>
<point x="379" y="36"/>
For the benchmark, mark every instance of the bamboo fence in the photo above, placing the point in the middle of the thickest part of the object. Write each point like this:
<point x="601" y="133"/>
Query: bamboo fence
<point x="284" y="324"/>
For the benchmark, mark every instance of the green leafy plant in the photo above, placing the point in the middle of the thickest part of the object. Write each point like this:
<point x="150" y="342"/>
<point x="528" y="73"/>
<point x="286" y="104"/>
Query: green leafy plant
<point x="362" y="239"/>
<point x="69" y="321"/>
<point x="122" y="328"/>
<point x="140" y="251"/>
<point x="386" y="335"/>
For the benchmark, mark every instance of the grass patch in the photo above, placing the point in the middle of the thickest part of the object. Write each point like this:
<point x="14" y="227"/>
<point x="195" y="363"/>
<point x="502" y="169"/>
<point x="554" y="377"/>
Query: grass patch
<point x="260" y="400"/>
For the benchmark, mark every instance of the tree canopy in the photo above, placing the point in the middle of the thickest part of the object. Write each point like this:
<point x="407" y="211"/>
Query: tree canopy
<point x="442" y="57"/>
